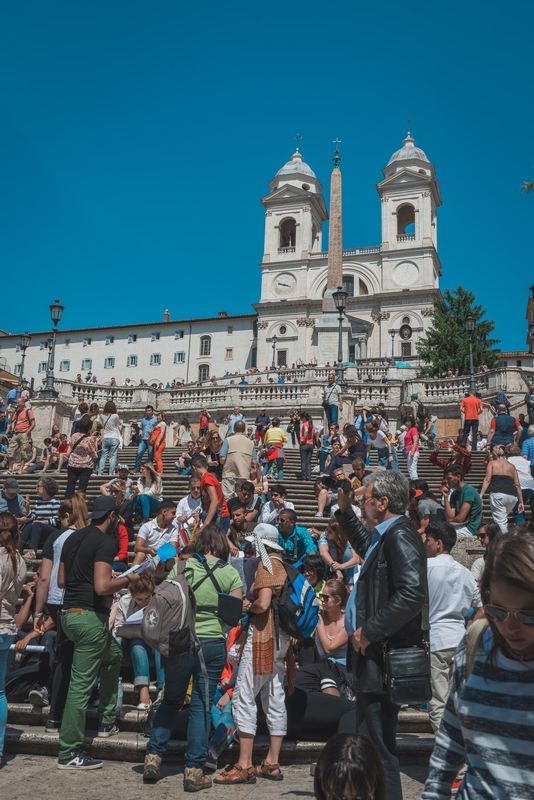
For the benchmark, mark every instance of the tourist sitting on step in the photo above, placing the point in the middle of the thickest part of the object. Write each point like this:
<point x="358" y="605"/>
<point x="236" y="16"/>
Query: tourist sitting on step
<point x="252" y="502"/>
<point x="188" y="513"/>
<point x="276" y="504"/>
<point x="183" y="465"/>
<point x="295" y="539"/>
<point x="154" y="534"/>
<point x="354" y="447"/>
<point x="43" y="519"/>
<point x="338" y="555"/>
<point x="134" y="650"/>
<point x="148" y="492"/>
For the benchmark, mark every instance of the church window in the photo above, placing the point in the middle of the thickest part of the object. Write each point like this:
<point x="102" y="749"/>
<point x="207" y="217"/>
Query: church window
<point x="406" y="349"/>
<point x="282" y="330"/>
<point x="229" y="353"/>
<point x="406" y="221"/>
<point x="352" y="352"/>
<point x="306" y="187"/>
<point x="362" y="287"/>
<point x="205" y="345"/>
<point x="288" y="233"/>
<point x="406" y="320"/>
<point x="281" y="358"/>
<point x="348" y="285"/>
<point x="204" y="372"/>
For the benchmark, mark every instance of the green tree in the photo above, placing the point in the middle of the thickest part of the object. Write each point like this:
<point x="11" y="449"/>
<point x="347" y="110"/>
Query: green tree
<point x="446" y="344"/>
<point x="527" y="187"/>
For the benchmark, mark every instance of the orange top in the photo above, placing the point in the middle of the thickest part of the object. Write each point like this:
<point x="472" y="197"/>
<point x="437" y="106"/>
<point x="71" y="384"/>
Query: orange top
<point x="471" y="406"/>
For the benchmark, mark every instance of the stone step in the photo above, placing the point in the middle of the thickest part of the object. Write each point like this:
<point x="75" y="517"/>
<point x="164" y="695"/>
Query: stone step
<point x="130" y="746"/>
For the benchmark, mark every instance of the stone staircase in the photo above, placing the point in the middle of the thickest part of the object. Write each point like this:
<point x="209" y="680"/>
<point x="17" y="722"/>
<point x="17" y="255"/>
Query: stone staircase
<point x="25" y="731"/>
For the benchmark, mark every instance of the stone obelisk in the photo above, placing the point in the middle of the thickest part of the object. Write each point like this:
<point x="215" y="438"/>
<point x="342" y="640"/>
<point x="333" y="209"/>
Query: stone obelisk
<point x="327" y="325"/>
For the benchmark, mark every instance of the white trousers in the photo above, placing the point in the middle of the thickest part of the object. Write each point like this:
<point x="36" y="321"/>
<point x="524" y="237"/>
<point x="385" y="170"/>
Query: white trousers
<point x="269" y="687"/>
<point x="463" y="531"/>
<point x="501" y="505"/>
<point x="412" y="465"/>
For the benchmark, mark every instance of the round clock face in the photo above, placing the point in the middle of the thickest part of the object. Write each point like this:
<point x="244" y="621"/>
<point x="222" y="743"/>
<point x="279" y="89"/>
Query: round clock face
<point x="405" y="273"/>
<point x="284" y="284"/>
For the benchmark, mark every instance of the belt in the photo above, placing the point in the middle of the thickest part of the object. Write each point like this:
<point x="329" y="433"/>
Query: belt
<point x="74" y="611"/>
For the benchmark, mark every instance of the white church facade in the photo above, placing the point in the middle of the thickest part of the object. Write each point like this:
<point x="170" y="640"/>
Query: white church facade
<point x="391" y="287"/>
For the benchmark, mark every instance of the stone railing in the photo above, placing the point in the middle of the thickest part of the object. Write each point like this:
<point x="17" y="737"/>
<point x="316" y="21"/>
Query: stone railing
<point x="355" y="251"/>
<point x="406" y="237"/>
<point x="510" y="380"/>
<point x="282" y="251"/>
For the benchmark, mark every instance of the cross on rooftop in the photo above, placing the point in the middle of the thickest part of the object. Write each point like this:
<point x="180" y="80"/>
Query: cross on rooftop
<point x="297" y="138"/>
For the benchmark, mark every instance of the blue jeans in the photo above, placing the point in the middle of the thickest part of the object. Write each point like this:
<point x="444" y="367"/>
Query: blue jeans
<point x="5" y="643"/>
<point x="178" y="670"/>
<point x="473" y="425"/>
<point x="142" y="448"/>
<point x="33" y="533"/>
<point x="323" y="455"/>
<point x="110" y="447"/>
<point x="279" y="466"/>
<point x="137" y="653"/>
<point x="520" y="518"/>
<point x="383" y="458"/>
<point x="395" y="462"/>
<point x="332" y="414"/>
<point x="149" y="506"/>
<point x="182" y="470"/>
<point x="223" y="725"/>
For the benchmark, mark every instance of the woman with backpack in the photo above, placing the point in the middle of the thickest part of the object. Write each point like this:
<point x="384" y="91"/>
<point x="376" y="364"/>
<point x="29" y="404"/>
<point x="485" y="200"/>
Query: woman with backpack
<point x="489" y="717"/>
<point x="12" y="575"/>
<point x="262" y="667"/>
<point x="81" y="458"/>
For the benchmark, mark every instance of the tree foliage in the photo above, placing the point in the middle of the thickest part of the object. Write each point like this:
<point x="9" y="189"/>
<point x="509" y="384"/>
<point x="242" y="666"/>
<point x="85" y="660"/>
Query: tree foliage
<point x="446" y="344"/>
<point x="527" y="187"/>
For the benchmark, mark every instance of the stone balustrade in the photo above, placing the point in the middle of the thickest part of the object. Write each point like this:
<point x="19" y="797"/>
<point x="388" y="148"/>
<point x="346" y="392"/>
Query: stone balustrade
<point x="357" y="251"/>
<point x="510" y="380"/>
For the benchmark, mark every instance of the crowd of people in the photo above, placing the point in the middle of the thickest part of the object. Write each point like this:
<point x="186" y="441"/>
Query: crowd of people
<point x="378" y="586"/>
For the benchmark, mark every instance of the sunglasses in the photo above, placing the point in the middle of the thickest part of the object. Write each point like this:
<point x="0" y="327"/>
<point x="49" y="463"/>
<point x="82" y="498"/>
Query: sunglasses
<point x="482" y="536"/>
<point x="498" y="614"/>
<point x="324" y="597"/>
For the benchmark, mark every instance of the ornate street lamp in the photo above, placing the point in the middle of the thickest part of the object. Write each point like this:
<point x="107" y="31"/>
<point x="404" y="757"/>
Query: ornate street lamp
<point x="25" y="340"/>
<point x="470" y="328"/>
<point x="340" y="301"/>
<point x="274" y="340"/>
<point x="49" y="393"/>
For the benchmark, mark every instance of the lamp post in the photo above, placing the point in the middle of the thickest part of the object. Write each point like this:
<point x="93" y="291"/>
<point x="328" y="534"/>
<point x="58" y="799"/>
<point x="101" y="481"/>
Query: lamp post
<point x="274" y="340"/>
<point x="470" y="328"/>
<point x="340" y="301"/>
<point x="49" y="393"/>
<point x="25" y="340"/>
<point x="392" y="346"/>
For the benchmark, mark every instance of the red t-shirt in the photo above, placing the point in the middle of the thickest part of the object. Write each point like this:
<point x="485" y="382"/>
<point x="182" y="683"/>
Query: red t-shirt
<point x="408" y="439"/>
<point x="471" y="406"/>
<point x="122" y="555"/>
<point x="208" y="479"/>
<point x="23" y="419"/>
<point x="204" y="421"/>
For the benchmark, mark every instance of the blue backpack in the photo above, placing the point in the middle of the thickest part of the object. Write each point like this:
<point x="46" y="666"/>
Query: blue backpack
<point x="297" y="608"/>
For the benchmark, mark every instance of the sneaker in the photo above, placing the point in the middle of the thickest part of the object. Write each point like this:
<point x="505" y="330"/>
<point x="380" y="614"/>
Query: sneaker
<point x="211" y="761"/>
<point x="195" y="780"/>
<point x="319" y="514"/>
<point x="39" y="697"/>
<point x="52" y="726"/>
<point x="105" y="731"/>
<point x="151" y="768"/>
<point x="29" y="555"/>
<point x="79" y="760"/>
<point x="143" y="706"/>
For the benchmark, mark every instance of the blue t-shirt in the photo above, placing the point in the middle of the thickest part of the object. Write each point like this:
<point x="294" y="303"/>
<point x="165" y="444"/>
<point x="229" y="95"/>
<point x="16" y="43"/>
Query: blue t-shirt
<point x="147" y="426"/>
<point x="299" y="545"/>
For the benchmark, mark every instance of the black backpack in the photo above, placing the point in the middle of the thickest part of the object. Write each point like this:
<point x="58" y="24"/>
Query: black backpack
<point x="20" y="682"/>
<point x="422" y="410"/>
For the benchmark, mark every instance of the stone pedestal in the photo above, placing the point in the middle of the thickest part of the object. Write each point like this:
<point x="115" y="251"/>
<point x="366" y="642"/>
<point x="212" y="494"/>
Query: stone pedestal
<point x="47" y="414"/>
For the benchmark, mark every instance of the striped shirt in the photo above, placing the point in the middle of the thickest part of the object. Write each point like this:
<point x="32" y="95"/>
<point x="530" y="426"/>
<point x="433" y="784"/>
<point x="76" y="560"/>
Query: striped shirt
<point x="46" y="510"/>
<point x="489" y="723"/>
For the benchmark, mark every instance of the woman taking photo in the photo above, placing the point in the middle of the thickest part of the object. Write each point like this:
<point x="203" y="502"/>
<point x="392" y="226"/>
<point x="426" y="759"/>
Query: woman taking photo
<point x="81" y="458"/>
<point x="502" y="481"/>
<point x="337" y="553"/>
<point x="148" y="491"/>
<point x="307" y="439"/>
<point x="159" y="437"/>
<point x="111" y="437"/>
<point x="204" y="422"/>
<point x="488" y="719"/>
<point x="12" y="575"/>
<point x="379" y="440"/>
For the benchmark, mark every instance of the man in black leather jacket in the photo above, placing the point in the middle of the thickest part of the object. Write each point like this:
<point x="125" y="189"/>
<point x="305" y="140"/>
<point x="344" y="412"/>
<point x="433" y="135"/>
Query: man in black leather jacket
<point x="387" y="535"/>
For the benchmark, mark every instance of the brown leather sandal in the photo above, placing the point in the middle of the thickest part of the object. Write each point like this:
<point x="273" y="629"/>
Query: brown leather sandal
<point x="266" y="770"/>
<point x="237" y="774"/>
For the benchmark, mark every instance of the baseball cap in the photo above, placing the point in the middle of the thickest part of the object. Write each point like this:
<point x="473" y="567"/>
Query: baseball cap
<point x="415" y="396"/>
<point x="268" y="535"/>
<point x="12" y="485"/>
<point x="102" y="506"/>
<point x="124" y="466"/>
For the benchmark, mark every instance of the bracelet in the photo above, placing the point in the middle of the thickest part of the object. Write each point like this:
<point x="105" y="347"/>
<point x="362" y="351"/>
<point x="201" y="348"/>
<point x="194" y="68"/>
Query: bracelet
<point x="39" y="614"/>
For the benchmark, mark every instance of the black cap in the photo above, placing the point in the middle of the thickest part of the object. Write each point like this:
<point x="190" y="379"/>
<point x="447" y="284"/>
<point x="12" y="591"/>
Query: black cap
<point x="102" y="506"/>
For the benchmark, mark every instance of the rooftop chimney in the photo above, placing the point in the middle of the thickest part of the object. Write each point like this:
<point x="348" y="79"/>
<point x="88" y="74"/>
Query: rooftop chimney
<point x="166" y="315"/>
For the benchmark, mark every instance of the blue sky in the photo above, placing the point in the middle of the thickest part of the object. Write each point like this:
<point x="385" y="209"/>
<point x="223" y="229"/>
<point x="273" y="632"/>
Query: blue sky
<point x="137" y="139"/>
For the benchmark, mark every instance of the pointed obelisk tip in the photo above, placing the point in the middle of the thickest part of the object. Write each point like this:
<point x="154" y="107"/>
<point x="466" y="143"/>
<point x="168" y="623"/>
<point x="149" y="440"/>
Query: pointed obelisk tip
<point x="337" y="157"/>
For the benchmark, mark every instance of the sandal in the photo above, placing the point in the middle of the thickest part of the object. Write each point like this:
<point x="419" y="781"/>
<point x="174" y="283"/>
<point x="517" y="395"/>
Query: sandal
<point x="237" y="774"/>
<point x="266" y="770"/>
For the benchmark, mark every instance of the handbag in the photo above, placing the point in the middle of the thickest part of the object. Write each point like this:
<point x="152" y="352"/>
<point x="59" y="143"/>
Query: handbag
<point x="406" y="670"/>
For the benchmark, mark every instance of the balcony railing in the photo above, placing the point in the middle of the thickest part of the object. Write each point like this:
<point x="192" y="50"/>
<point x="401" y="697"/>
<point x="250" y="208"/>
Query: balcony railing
<point x="283" y="251"/>
<point x="406" y="237"/>
<point x="358" y="251"/>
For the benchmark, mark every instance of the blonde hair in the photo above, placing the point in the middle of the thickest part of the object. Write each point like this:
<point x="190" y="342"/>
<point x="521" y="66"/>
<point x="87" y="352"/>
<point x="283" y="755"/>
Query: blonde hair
<point x="118" y="485"/>
<point x="338" y="590"/>
<point x="154" y="477"/>
<point x="498" y="451"/>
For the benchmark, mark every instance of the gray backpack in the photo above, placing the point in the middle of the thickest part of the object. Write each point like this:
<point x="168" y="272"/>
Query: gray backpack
<point x="169" y="621"/>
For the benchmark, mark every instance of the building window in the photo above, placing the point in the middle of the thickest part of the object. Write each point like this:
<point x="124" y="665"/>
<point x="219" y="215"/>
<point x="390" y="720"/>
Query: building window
<point x="64" y="366"/>
<point x="348" y="285"/>
<point x="179" y="358"/>
<point x="230" y="329"/>
<point x="288" y="232"/>
<point x="42" y="366"/>
<point x="406" y="349"/>
<point x="352" y="352"/>
<point x="87" y="363"/>
<point x="43" y="345"/>
<point x="109" y="363"/>
<point x="406" y="320"/>
<point x="178" y="334"/>
<point x="66" y="343"/>
<point x="362" y="287"/>
<point x="229" y="353"/>
<point x="281" y="358"/>
<point x="204" y="372"/>
<point x="87" y="341"/>
<point x="132" y="337"/>
<point x="518" y="363"/>
<point x="205" y="345"/>
<point x="282" y="330"/>
<point x="131" y="361"/>
<point x="155" y="359"/>
<point x="155" y="337"/>
<point x="110" y="339"/>
<point x="17" y="369"/>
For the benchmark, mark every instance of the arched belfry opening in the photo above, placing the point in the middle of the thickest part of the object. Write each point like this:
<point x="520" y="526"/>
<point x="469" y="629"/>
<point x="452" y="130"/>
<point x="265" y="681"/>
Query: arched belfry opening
<point x="405" y="220"/>
<point x="288" y="233"/>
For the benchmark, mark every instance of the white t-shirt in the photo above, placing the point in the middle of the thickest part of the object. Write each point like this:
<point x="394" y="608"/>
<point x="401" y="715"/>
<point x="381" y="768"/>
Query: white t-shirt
<point x="155" y="537"/>
<point x="185" y="508"/>
<point x="381" y="440"/>
<point x="526" y="481"/>
<point x="111" y="426"/>
<point x="452" y="591"/>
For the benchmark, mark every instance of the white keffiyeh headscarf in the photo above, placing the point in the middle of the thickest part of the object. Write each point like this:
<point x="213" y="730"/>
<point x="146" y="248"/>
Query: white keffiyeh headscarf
<point x="265" y="535"/>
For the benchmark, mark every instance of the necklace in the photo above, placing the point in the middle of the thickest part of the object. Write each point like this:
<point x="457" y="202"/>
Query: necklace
<point x="520" y="658"/>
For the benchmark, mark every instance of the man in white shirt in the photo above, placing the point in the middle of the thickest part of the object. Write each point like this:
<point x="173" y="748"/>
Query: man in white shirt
<point x="188" y="512"/>
<point x="155" y="533"/>
<point x="452" y="591"/>
<point x="237" y="416"/>
<point x="278" y="503"/>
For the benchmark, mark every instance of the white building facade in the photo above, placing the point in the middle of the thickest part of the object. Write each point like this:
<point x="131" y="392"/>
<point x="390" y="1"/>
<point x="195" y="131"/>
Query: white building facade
<point x="391" y="286"/>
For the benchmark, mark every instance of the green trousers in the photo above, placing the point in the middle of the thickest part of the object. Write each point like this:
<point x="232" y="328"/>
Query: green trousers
<point x="95" y="651"/>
